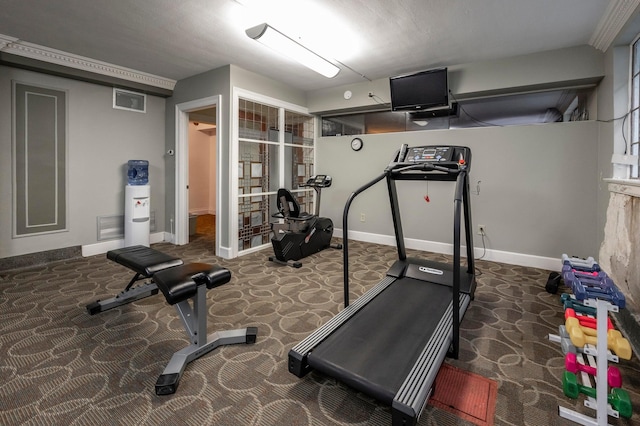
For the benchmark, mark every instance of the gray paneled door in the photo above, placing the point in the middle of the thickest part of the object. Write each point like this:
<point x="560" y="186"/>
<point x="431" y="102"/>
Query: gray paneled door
<point x="39" y="158"/>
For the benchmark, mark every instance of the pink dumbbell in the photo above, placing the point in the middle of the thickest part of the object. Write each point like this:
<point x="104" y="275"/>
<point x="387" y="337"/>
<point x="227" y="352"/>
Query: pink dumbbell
<point x="614" y="378"/>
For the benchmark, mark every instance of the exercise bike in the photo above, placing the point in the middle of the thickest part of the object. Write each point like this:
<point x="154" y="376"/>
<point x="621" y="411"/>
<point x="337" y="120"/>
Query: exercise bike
<point x="301" y="234"/>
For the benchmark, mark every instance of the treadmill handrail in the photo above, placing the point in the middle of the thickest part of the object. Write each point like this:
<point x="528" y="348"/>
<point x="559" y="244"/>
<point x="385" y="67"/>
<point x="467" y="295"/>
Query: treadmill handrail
<point x="425" y="167"/>
<point x="393" y="171"/>
<point x="345" y="232"/>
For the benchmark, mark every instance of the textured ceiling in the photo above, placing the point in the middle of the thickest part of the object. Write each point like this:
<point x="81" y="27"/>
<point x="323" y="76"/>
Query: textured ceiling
<point x="374" y="38"/>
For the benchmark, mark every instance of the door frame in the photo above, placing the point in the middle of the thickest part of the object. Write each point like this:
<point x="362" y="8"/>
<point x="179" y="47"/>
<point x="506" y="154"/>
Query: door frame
<point x="182" y="110"/>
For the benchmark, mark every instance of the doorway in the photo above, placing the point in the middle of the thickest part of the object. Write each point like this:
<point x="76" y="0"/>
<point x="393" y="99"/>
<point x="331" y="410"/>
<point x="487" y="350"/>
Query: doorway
<point x="182" y="167"/>
<point x="202" y="175"/>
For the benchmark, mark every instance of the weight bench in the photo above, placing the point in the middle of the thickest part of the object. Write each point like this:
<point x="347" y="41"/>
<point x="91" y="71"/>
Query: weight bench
<point x="179" y="283"/>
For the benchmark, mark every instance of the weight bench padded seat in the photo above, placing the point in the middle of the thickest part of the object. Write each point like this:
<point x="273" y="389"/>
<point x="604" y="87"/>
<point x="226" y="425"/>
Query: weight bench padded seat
<point x="143" y="260"/>
<point x="181" y="282"/>
<point x="185" y="287"/>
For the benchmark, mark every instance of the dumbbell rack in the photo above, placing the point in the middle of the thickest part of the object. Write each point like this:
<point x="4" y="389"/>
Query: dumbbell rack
<point x="603" y="356"/>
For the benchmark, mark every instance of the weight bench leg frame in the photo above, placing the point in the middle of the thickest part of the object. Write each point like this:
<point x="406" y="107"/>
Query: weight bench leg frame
<point x="194" y="320"/>
<point x="127" y="296"/>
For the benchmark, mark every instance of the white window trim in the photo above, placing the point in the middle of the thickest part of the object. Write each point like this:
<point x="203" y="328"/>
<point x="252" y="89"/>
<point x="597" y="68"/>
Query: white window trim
<point x="236" y="94"/>
<point x="627" y="160"/>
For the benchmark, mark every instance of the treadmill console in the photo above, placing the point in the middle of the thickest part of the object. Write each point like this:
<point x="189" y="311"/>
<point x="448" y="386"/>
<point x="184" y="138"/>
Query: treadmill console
<point x="432" y="158"/>
<point x="424" y="154"/>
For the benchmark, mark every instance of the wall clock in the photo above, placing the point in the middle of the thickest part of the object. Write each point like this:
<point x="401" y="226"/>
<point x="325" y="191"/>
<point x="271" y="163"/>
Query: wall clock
<point x="356" y="144"/>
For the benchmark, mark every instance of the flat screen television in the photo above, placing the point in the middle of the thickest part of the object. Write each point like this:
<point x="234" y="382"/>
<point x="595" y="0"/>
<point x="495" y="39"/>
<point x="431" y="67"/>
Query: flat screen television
<point x="420" y="91"/>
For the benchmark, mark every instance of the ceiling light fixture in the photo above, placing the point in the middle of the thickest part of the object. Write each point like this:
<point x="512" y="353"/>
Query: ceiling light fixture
<point x="279" y="42"/>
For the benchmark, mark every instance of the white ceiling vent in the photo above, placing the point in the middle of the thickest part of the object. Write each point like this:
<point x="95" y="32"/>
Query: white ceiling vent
<point x="132" y="101"/>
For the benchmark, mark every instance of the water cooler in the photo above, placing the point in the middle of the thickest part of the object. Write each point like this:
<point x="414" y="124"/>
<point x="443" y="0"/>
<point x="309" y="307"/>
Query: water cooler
<point x="137" y="204"/>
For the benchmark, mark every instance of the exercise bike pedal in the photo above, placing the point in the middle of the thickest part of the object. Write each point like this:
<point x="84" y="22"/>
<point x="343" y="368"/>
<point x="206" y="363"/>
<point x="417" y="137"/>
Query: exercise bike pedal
<point x="292" y="263"/>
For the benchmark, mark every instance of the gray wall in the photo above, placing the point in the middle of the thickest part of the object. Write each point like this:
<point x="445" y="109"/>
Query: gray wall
<point x="541" y="193"/>
<point x="552" y="68"/>
<point x="538" y="187"/>
<point x="100" y="142"/>
<point x="248" y="80"/>
<point x="210" y="83"/>
<point x="613" y="102"/>
<point x="219" y="82"/>
<point x="523" y="200"/>
<point x="543" y="70"/>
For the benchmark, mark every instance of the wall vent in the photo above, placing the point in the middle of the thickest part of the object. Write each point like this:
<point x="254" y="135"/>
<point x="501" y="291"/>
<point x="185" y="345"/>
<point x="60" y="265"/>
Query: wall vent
<point x="131" y="101"/>
<point x="112" y="227"/>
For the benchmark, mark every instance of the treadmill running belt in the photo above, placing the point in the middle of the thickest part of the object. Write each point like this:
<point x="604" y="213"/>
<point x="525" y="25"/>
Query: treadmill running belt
<point x="375" y="350"/>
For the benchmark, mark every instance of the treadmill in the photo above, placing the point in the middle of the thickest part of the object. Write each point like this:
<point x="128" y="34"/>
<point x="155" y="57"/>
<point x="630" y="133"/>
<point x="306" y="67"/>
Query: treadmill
<point x="390" y="343"/>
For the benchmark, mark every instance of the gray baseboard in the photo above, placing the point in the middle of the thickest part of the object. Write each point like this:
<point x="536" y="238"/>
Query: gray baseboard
<point x="39" y="258"/>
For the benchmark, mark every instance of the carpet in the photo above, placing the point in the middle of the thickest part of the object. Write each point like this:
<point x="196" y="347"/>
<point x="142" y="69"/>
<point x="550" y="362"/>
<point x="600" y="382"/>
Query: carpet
<point x="467" y="395"/>
<point x="61" y="366"/>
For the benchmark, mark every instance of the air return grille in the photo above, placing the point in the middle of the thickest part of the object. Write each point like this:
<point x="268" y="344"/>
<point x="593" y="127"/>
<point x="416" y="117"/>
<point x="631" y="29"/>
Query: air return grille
<point x="112" y="227"/>
<point x="131" y="101"/>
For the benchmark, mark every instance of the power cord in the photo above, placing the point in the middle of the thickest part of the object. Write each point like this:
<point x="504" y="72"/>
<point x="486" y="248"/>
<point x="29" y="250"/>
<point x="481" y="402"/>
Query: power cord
<point x="471" y="116"/>
<point x="377" y="98"/>
<point x="484" y="247"/>
<point x="624" y="136"/>
<point x="478" y="271"/>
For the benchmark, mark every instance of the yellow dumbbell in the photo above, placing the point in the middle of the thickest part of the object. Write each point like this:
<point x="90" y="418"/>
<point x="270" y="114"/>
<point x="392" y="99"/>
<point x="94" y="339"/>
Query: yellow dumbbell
<point x="615" y="342"/>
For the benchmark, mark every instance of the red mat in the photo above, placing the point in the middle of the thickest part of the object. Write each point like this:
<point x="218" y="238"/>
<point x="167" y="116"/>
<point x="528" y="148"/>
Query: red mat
<point x="469" y="396"/>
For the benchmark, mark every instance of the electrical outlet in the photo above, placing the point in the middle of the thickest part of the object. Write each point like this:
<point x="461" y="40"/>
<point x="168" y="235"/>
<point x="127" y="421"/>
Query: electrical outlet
<point x="481" y="230"/>
<point x="362" y="217"/>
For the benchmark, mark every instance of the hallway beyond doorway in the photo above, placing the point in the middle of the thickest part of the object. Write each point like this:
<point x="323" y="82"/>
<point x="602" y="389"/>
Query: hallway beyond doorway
<point x="205" y="228"/>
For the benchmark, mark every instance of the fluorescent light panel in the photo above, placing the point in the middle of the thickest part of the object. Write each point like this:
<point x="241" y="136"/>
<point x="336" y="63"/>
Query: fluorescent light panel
<point x="279" y="42"/>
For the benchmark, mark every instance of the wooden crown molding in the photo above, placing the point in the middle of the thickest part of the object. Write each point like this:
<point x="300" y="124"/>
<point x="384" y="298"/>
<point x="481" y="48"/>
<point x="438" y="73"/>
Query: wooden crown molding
<point x="615" y="17"/>
<point x="18" y="47"/>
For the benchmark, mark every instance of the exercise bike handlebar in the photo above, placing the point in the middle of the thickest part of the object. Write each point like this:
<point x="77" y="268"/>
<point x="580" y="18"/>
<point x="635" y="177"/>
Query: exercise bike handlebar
<point x="280" y="215"/>
<point x="318" y="181"/>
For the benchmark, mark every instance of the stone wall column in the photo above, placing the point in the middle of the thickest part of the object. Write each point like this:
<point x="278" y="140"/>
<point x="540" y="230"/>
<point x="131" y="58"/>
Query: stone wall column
<point x="620" y="251"/>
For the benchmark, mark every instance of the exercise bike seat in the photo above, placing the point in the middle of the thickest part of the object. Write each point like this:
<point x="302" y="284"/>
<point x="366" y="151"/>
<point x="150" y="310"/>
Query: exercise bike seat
<point x="288" y="207"/>
<point x="289" y="210"/>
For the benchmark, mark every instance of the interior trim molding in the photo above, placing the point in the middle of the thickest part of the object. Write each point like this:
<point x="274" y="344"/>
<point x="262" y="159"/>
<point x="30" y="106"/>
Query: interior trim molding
<point x="104" y="246"/>
<point x="14" y="46"/>
<point x="630" y="187"/>
<point x="510" y="258"/>
<point x="615" y="17"/>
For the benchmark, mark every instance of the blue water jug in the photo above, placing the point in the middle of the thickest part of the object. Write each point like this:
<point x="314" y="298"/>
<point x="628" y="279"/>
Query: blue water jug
<point x="138" y="173"/>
